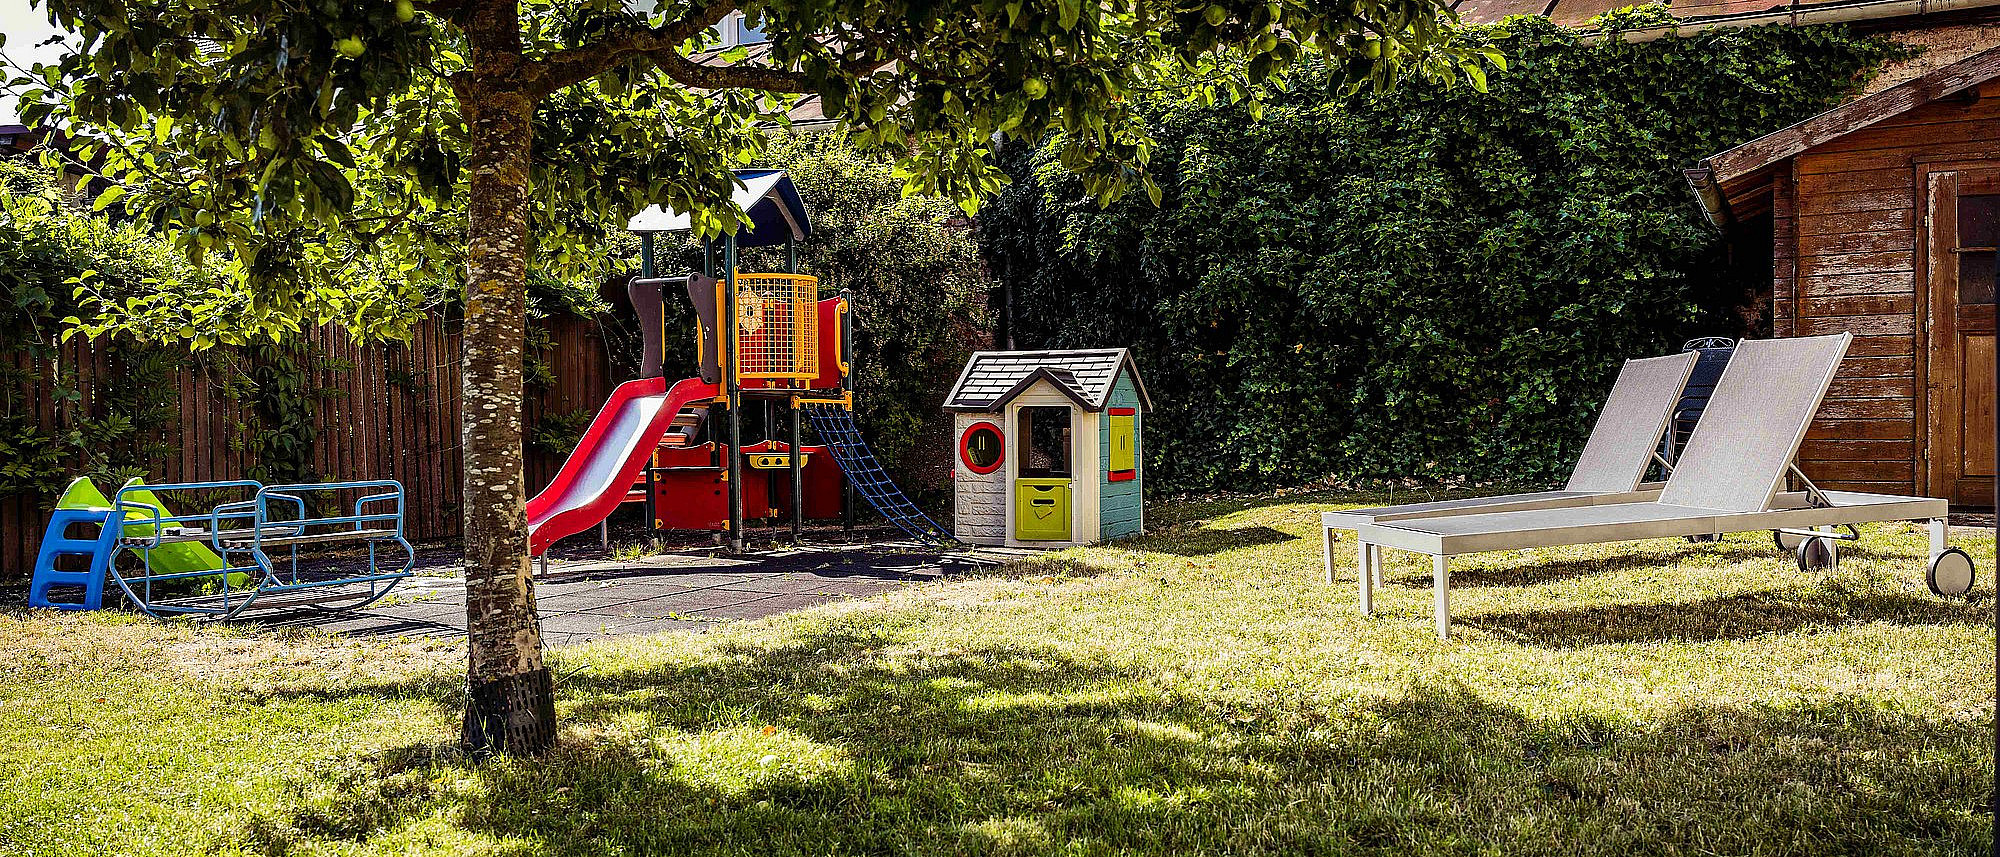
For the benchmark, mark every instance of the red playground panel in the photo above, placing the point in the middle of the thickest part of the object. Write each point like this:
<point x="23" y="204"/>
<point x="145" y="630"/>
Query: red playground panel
<point x="831" y="373"/>
<point x="691" y="490"/>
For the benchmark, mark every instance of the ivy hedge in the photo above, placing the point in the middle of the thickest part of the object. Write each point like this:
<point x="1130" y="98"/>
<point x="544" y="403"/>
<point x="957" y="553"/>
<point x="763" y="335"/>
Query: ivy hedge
<point x="48" y="245"/>
<point x="55" y="422"/>
<point x="1430" y="283"/>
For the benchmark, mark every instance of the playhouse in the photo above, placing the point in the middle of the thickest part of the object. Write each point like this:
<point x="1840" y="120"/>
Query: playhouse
<point x="1048" y="447"/>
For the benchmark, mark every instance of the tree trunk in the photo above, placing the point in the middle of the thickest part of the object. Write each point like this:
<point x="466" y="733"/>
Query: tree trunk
<point x="510" y="707"/>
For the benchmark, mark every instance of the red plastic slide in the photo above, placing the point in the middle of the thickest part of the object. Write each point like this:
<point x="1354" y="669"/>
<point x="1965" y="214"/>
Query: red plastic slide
<point x="609" y="458"/>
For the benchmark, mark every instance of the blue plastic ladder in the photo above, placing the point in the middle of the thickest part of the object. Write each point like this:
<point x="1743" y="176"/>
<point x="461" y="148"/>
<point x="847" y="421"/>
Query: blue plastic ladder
<point x="56" y="542"/>
<point x="837" y="430"/>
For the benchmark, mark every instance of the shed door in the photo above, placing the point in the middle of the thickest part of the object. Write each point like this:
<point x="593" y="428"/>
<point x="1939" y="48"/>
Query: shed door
<point x="1962" y="227"/>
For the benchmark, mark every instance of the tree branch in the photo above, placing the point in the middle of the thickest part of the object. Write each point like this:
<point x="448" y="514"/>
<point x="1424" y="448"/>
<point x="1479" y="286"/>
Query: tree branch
<point x="448" y="10"/>
<point x="687" y="72"/>
<point x="583" y="62"/>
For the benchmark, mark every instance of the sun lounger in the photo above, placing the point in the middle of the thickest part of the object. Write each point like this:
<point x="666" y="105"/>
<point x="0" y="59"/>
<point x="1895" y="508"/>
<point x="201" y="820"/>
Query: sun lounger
<point x="1622" y="445"/>
<point x="1727" y="480"/>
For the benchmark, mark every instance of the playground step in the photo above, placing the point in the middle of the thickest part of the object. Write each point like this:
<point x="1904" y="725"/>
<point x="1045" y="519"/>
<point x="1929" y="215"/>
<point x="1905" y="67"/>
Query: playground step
<point x="95" y="551"/>
<point x="328" y="536"/>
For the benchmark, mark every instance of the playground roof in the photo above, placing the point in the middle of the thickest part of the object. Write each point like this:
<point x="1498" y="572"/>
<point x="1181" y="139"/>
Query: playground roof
<point x="776" y="211"/>
<point x="993" y="378"/>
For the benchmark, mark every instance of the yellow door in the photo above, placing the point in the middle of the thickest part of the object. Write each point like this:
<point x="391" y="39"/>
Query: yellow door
<point x="1041" y="510"/>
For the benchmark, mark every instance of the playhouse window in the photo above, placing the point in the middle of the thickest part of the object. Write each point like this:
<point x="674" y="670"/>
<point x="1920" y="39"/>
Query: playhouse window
<point x="980" y="448"/>
<point x="1123" y="459"/>
<point x="1044" y="434"/>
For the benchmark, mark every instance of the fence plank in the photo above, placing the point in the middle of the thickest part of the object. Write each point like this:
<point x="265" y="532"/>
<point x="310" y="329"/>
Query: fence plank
<point x="373" y="428"/>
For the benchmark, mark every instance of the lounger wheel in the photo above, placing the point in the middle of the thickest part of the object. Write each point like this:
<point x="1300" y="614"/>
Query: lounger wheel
<point x="1817" y="553"/>
<point x="1950" y="574"/>
<point x="1787" y="542"/>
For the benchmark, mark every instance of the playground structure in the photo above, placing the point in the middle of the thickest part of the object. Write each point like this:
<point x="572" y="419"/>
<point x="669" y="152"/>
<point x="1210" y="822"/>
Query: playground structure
<point x="765" y="340"/>
<point x="234" y="555"/>
<point x="1075" y="475"/>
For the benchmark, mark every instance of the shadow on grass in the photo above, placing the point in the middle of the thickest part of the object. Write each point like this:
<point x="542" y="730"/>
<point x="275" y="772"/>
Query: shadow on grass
<point x="1046" y="565"/>
<point x="1530" y="573"/>
<point x="1735" y="617"/>
<point x="850" y="743"/>
<point x="1206" y="541"/>
<point x="1183" y="511"/>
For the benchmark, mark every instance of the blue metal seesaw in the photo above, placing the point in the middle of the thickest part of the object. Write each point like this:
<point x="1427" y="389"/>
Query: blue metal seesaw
<point x="258" y="540"/>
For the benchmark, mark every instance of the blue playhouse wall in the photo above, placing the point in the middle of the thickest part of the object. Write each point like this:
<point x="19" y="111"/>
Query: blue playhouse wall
<point x="1119" y="504"/>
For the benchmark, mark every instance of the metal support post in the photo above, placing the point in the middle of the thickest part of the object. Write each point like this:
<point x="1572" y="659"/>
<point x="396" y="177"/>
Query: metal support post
<point x="734" y="389"/>
<point x="798" y="476"/>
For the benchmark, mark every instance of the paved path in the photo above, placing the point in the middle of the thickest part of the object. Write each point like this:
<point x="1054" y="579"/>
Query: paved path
<point x="583" y="601"/>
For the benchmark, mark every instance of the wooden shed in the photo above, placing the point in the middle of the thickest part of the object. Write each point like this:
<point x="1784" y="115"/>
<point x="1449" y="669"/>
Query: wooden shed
<point x="1881" y="216"/>
<point x="1049" y="449"/>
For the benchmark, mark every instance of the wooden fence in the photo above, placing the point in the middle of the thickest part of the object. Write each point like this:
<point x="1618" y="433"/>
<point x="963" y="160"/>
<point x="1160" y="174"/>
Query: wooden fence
<point x="387" y="411"/>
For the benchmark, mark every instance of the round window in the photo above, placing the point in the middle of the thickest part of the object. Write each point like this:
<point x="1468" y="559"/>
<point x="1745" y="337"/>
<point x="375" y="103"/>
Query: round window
<point x="980" y="448"/>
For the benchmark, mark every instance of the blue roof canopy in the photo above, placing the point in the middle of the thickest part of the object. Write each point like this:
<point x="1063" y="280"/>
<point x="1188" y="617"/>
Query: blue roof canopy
<point x="776" y="211"/>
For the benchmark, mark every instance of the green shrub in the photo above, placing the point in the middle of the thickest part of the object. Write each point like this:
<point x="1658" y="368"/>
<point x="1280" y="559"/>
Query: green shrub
<point x="1432" y="283"/>
<point x="110" y="423"/>
<point x="48" y="244"/>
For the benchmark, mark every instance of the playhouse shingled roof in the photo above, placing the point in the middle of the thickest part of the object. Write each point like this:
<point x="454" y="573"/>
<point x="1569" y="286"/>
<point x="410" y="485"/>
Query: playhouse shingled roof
<point x="992" y="378"/>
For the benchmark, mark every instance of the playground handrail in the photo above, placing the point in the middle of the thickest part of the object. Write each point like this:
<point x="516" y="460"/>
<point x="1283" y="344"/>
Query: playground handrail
<point x="290" y="493"/>
<point x="121" y="505"/>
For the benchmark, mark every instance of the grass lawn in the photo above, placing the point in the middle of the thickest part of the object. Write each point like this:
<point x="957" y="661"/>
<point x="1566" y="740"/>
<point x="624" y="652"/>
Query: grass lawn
<point x="1201" y="690"/>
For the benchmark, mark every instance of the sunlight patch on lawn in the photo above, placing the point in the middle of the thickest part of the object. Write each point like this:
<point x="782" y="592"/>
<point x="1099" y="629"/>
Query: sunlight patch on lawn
<point x="1005" y="836"/>
<point x="1028" y="702"/>
<point x="738" y="760"/>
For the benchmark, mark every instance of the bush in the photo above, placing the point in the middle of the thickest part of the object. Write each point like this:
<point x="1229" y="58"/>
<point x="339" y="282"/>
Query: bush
<point x="47" y="245"/>
<point x="1432" y="282"/>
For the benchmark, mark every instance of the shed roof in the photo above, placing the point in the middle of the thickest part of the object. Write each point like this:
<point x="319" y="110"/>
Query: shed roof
<point x="993" y="378"/>
<point x="768" y="196"/>
<point x="1720" y="178"/>
<point x="1694" y="15"/>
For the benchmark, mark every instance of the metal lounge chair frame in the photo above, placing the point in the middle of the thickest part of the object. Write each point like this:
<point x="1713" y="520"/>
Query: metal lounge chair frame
<point x="1623" y="444"/>
<point x="1727" y="481"/>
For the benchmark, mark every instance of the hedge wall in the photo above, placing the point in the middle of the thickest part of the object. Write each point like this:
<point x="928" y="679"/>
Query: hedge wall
<point x="1433" y="283"/>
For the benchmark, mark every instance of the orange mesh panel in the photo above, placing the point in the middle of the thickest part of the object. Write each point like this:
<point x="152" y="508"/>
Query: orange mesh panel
<point x="777" y="333"/>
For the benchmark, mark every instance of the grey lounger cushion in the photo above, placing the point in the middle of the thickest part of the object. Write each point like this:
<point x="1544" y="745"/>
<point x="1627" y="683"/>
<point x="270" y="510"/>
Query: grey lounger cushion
<point x="1732" y="465"/>
<point x="1614" y="459"/>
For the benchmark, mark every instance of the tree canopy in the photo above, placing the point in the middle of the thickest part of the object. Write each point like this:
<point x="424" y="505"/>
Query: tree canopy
<point x="327" y="146"/>
<point x="322" y="145"/>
